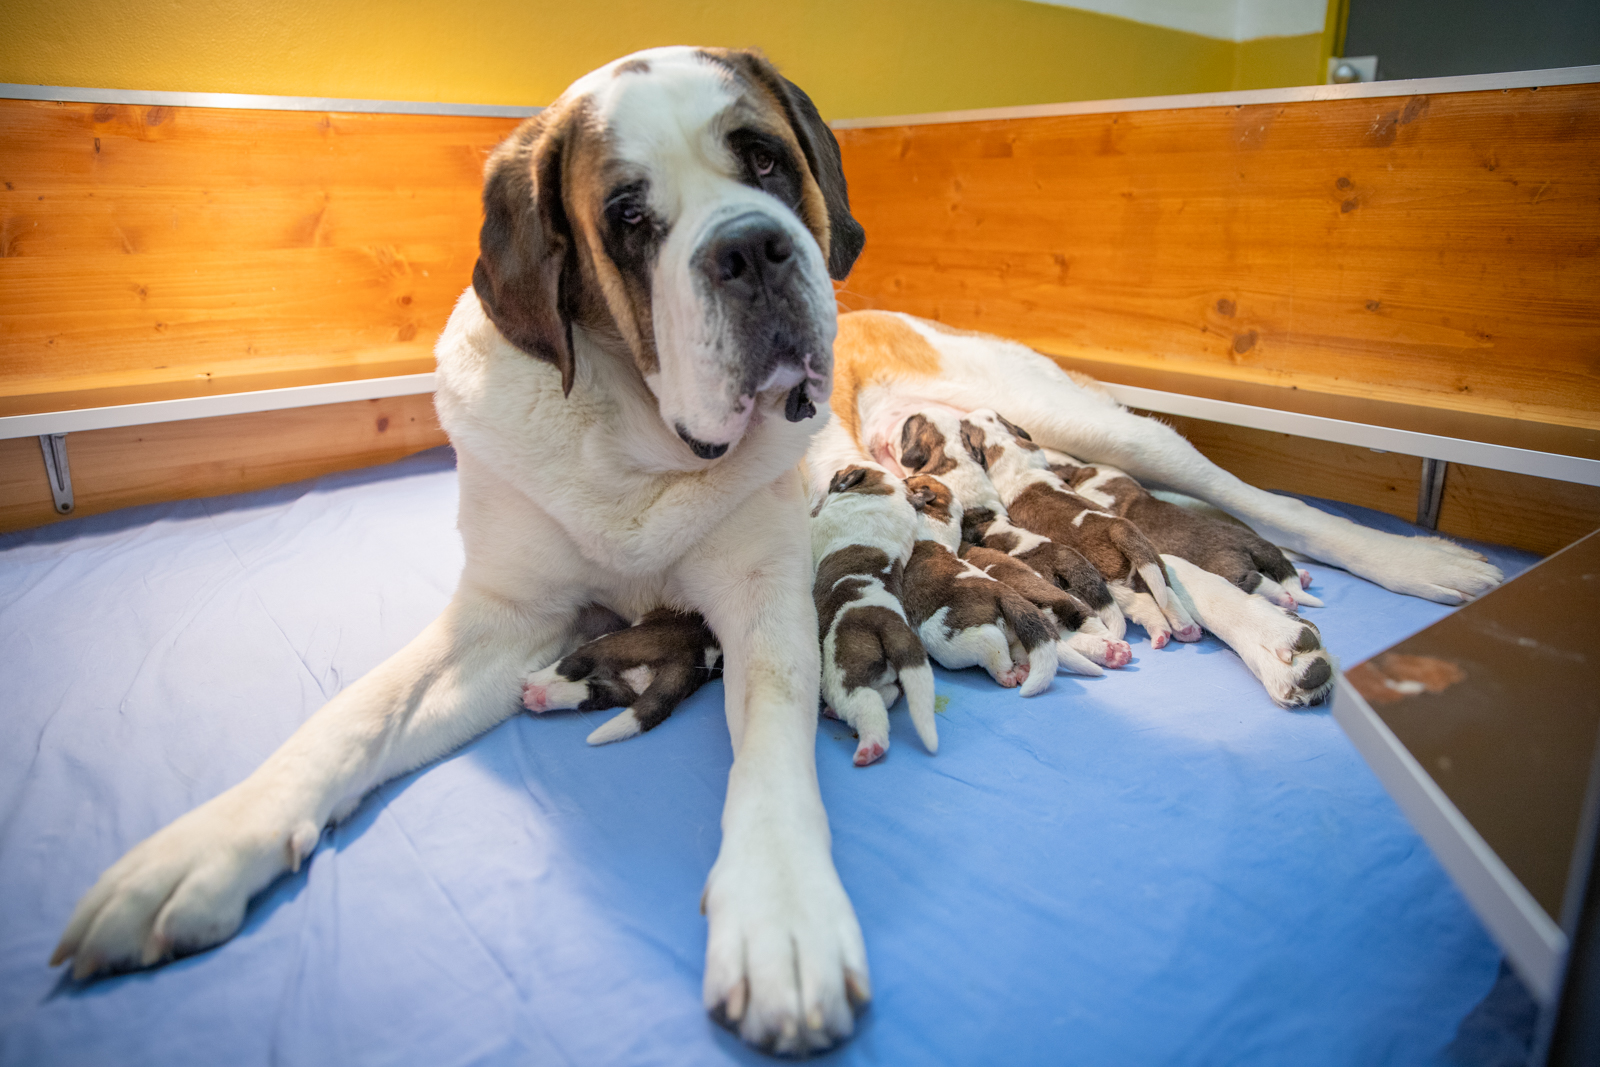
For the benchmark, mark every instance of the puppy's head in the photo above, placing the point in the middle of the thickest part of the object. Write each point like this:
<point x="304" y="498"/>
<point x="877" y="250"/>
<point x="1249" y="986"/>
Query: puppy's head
<point x="863" y="481"/>
<point x="688" y="206"/>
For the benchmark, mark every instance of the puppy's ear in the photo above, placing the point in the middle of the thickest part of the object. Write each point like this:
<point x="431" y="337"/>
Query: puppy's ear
<point x="847" y="479"/>
<point x="525" y="246"/>
<point x="920" y="498"/>
<point x="972" y="440"/>
<point x="1016" y="430"/>
<point x="845" y="235"/>
<point x="914" y="451"/>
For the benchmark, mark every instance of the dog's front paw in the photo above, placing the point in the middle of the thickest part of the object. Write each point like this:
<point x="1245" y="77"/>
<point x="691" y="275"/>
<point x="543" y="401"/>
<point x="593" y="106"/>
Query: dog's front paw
<point x="786" y="968"/>
<point x="182" y="889"/>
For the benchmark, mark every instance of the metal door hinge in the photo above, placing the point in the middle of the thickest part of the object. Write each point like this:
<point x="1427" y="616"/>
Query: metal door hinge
<point x="1430" y="494"/>
<point x="54" y="447"/>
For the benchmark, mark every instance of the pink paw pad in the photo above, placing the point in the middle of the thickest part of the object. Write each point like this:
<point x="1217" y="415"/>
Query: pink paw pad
<point x="869" y="752"/>
<point x="535" y="699"/>
<point x="1189" y="633"/>
<point x="1159" y="639"/>
<point x="1305" y="579"/>
<point x="1118" y="654"/>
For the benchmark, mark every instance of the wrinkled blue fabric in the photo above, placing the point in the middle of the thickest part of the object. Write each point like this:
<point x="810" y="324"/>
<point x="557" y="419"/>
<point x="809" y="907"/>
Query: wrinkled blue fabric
<point x="1154" y="867"/>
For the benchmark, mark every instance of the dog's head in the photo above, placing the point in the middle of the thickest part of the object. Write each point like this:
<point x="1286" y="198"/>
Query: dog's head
<point x="689" y="206"/>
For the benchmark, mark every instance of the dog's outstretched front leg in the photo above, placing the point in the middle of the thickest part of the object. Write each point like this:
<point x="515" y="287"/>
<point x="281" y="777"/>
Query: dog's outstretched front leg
<point x="186" y="886"/>
<point x="785" y="962"/>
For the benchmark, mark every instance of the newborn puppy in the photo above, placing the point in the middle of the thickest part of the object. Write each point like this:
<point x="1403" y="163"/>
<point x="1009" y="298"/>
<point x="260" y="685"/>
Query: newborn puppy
<point x="1039" y="500"/>
<point x="861" y="538"/>
<point x="1223" y="548"/>
<point x="648" y="670"/>
<point x="1084" y="646"/>
<point x="965" y="617"/>
<point x="930" y="443"/>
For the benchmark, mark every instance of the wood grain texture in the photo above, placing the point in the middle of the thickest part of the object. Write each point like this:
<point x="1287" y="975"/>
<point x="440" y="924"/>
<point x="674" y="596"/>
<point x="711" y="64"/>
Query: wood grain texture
<point x="145" y="245"/>
<point x="122" y="467"/>
<point x="1535" y="514"/>
<point x="1430" y="250"/>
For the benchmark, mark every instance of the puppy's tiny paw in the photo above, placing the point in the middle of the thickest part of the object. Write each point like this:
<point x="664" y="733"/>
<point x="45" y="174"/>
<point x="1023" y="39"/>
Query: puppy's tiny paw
<point x="547" y="690"/>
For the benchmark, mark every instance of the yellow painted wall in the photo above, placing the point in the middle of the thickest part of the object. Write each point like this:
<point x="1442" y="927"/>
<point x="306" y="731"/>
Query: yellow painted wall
<point x="856" y="57"/>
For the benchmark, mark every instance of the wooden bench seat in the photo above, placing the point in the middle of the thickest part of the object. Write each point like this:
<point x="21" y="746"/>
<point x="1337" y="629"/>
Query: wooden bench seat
<point x="1296" y="282"/>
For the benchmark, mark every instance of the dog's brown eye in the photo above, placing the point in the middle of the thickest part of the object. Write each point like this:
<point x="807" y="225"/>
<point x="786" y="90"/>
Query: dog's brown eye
<point x="631" y="215"/>
<point x="762" y="162"/>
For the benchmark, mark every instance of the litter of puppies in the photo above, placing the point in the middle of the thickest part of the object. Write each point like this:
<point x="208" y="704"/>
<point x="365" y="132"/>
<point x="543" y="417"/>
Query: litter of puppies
<point x="975" y="547"/>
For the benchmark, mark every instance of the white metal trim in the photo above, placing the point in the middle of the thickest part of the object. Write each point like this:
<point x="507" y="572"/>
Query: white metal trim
<point x="1384" y="438"/>
<point x="1531" y="939"/>
<point x="1468" y="83"/>
<point x="205" y="407"/>
<point x="252" y="102"/>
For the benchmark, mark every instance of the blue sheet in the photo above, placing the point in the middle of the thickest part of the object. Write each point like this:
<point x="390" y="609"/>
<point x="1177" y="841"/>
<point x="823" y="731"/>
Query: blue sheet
<point x="1155" y="867"/>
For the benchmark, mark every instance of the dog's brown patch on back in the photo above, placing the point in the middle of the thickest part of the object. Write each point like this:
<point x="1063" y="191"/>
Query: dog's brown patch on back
<point x="842" y="575"/>
<point x="873" y="346"/>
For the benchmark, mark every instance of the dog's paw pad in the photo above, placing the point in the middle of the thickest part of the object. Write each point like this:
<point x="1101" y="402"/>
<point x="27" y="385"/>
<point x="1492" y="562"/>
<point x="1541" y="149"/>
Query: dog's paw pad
<point x="870" y="752"/>
<point x="1300" y="672"/>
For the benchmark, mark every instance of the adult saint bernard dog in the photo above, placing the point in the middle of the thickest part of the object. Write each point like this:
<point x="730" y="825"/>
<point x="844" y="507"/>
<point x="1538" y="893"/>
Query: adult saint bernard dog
<point x="630" y="387"/>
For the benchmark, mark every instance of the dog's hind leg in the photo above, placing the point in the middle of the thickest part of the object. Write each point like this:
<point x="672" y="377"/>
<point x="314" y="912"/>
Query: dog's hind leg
<point x="1058" y="412"/>
<point x="1281" y="649"/>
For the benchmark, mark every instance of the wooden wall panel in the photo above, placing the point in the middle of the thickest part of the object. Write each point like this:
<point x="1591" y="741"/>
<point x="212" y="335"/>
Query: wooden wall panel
<point x="205" y="457"/>
<point x="155" y="244"/>
<point x="1438" y="250"/>
<point x="1536" y="514"/>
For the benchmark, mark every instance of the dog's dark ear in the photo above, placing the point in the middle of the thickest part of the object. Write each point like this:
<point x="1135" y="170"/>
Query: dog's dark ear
<point x="847" y="479"/>
<point x="972" y="440"/>
<point x="920" y="498"/>
<point x="525" y="246"/>
<point x="1016" y="430"/>
<point x="914" y="454"/>
<point x="845" y="235"/>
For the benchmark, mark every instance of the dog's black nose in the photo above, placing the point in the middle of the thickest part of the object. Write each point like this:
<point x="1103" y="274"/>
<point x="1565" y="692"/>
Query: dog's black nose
<point x="747" y="256"/>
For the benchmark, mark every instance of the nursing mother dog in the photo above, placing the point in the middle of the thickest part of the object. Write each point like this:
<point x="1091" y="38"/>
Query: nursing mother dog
<point x="630" y="385"/>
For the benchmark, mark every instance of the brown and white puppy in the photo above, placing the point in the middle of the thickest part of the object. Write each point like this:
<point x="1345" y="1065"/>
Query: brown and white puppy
<point x="1085" y="646"/>
<point x="861" y="538"/>
<point x="647" y="669"/>
<point x="1039" y="500"/>
<point x="930" y="443"/>
<point x="888" y="366"/>
<point x="628" y="385"/>
<point x="965" y="617"/>
<point x="1225" y="548"/>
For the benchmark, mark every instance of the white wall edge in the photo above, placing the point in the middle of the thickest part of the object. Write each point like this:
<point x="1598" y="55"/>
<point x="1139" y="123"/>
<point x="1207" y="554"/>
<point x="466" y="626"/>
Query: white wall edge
<point x="205" y="407"/>
<point x="1532" y="941"/>
<point x="1387" y="439"/>
<point x="1470" y="83"/>
<point x="252" y="102"/>
<point x="1450" y="449"/>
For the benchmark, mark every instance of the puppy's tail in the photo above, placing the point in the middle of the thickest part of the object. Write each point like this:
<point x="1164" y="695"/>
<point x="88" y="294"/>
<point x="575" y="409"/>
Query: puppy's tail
<point x="1038" y="637"/>
<point x="918" y="684"/>
<point x="903" y="648"/>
